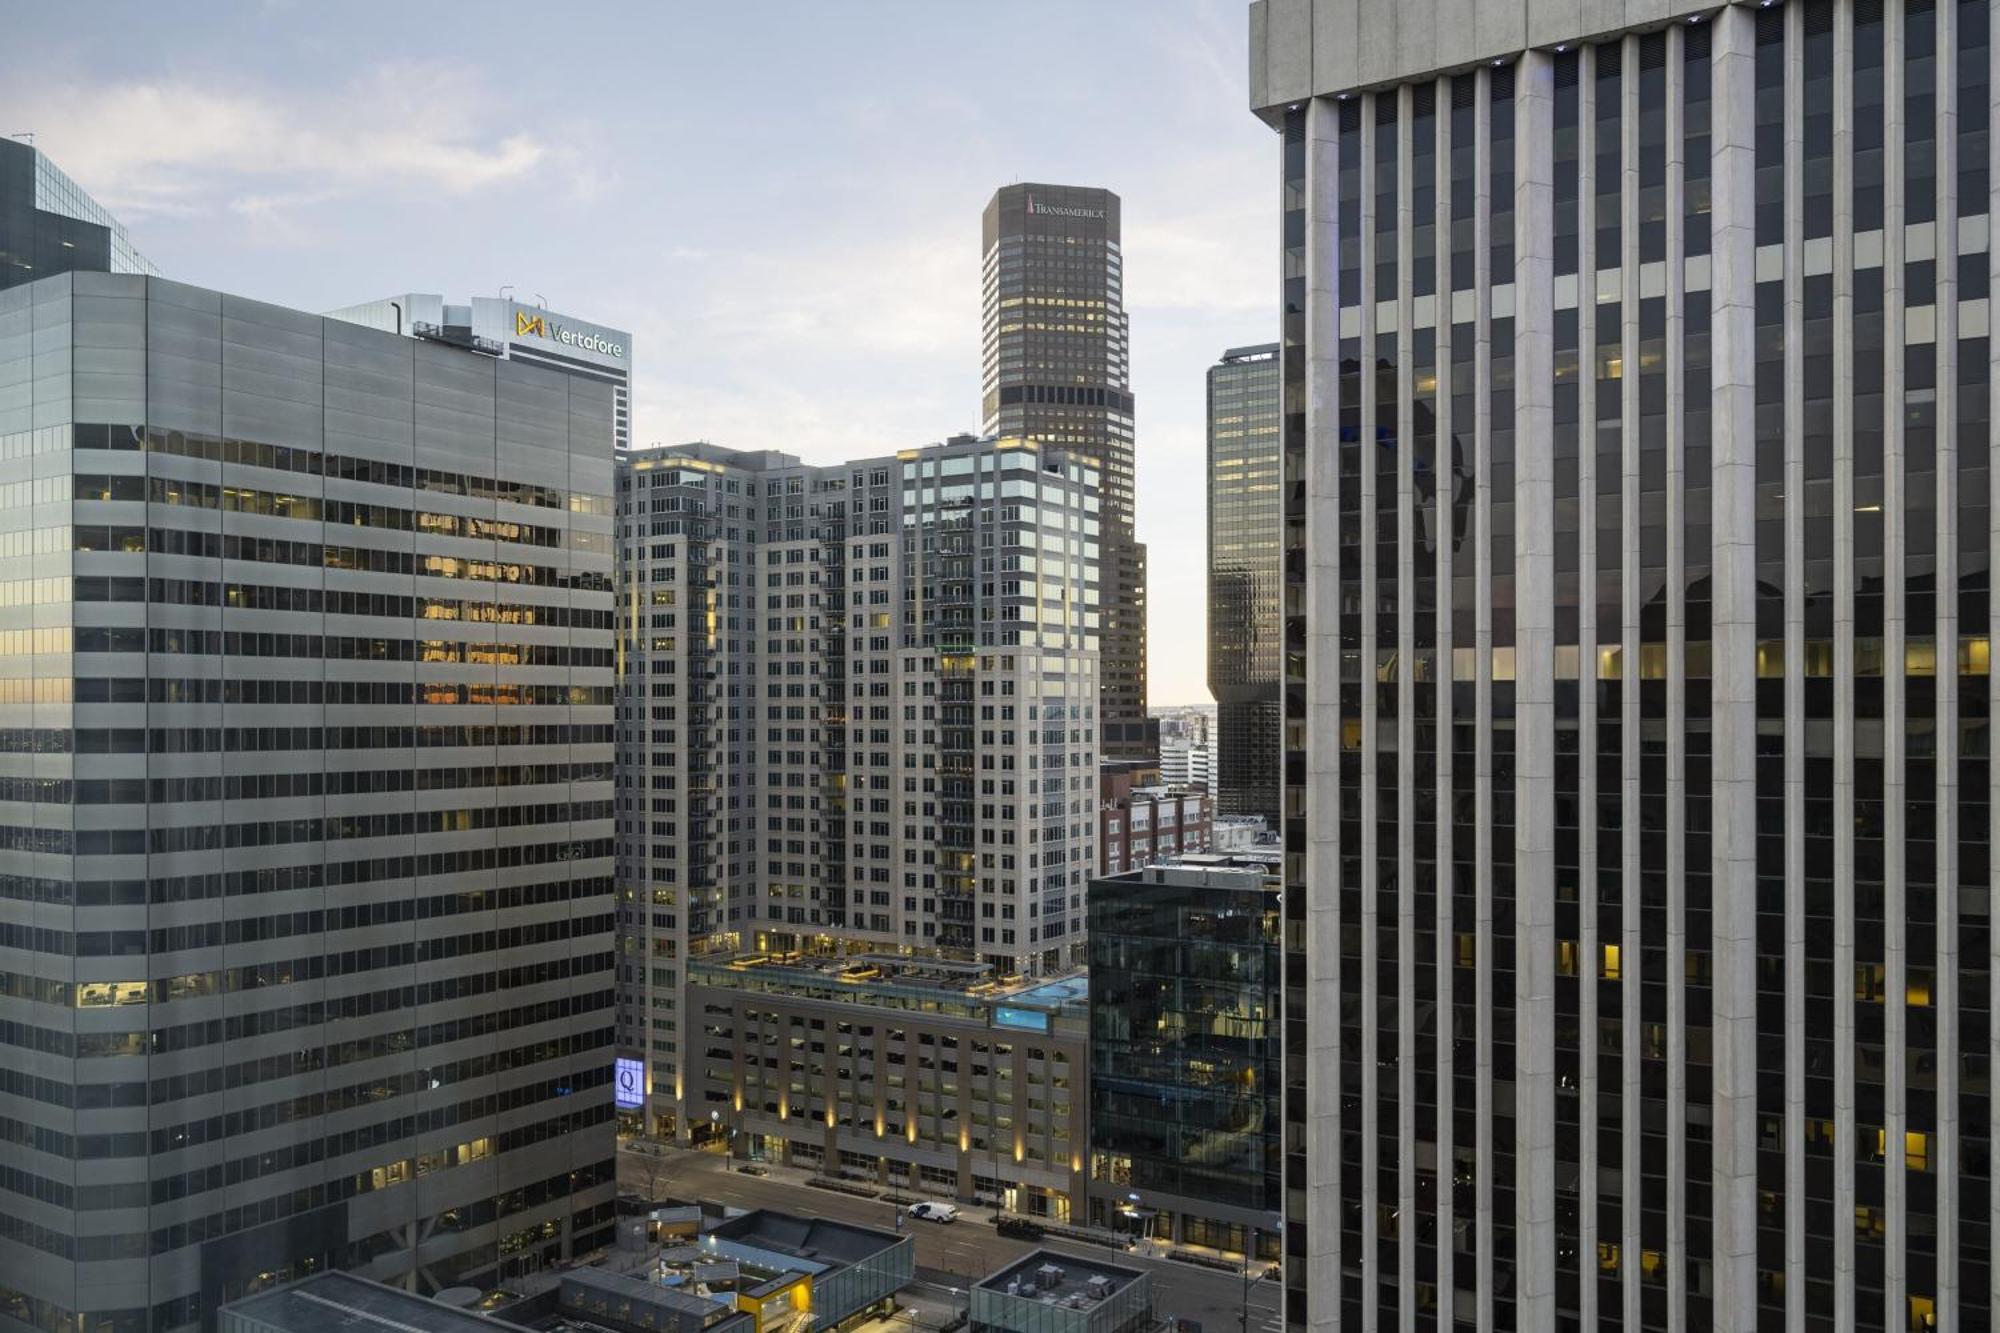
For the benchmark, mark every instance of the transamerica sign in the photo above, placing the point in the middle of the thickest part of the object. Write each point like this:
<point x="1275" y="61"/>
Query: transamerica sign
<point x="1037" y="209"/>
<point x="534" y="324"/>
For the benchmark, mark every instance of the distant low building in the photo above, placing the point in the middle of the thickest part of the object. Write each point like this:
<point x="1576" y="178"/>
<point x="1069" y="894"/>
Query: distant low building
<point x="761" y="1272"/>
<point x="1188" y="763"/>
<point x="599" y="1297"/>
<point x="800" y="1274"/>
<point x="1048" y="1292"/>
<point x="1237" y="833"/>
<point x="1142" y="821"/>
<point x="336" y="1302"/>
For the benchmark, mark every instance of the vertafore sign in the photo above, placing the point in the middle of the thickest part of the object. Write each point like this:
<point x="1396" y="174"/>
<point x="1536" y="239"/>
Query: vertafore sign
<point x="532" y="324"/>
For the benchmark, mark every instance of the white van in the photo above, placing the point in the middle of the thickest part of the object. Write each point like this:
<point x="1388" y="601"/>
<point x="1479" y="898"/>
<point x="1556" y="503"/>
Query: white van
<point x="931" y="1211"/>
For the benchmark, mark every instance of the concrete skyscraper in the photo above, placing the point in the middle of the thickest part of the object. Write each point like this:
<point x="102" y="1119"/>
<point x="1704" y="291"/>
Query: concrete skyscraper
<point x="1640" y="519"/>
<point x="306" y="923"/>
<point x="859" y="717"/>
<point x="1245" y="568"/>
<point x="1056" y="370"/>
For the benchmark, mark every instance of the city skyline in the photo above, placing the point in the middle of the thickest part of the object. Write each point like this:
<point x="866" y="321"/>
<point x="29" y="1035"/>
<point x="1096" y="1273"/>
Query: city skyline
<point x="1379" y="682"/>
<point x="454" y="170"/>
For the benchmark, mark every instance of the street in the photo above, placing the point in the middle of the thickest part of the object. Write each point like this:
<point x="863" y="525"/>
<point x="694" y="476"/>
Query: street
<point x="966" y="1250"/>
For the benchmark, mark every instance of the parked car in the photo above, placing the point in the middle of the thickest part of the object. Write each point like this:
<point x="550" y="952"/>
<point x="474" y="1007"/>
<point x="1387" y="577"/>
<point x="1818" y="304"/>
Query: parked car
<point x="752" y="1169"/>
<point x="1020" y="1228"/>
<point x="931" y="1211"/>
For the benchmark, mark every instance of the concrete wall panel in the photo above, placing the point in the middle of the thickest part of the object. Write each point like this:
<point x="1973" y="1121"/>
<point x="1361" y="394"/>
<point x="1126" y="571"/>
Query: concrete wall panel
<point x="1416" y="34"/>
<point x="1336" y="44"/>
<point x="1365" y="43"/>
<point x="1375" y="38"/>
<point x="1503" y="30"/>
<point x="1259" y="46"/>
<point x="1457" y="36"/>
<point x="1551" y="21"/>
<point x="1289" y="47"/>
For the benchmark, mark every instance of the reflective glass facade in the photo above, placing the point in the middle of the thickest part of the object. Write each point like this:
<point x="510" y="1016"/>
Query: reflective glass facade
<point x="1245" y="560"/>
<point x="305" y="807"/>
<point x="1185" y="974"/>
<point x="50" y="226"/>
<point x="1638" y="801"/>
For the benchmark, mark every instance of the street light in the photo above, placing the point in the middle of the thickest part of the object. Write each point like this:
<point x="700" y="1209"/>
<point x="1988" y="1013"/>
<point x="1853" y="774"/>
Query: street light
<point x="1249" y="1245"/>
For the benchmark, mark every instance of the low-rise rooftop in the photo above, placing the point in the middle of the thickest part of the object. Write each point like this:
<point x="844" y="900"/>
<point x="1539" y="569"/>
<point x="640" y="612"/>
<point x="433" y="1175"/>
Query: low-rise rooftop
<point x="810" y="1243"/>
<point x="1054" y="1278"/>
<point x="781" y="1267"/>
<point x="1053" y="1292"/>
<point x="631" y="1302"/>
<point x="343" y="1303"/>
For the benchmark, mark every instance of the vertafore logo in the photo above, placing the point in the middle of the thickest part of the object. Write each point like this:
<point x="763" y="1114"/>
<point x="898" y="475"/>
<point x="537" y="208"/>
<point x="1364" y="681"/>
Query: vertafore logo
<point x="527" y="325"/>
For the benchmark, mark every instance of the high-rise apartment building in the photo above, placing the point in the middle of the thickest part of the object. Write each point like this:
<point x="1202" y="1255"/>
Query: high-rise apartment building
<point x="1639" y="802"/>
<point x="859" y="715"/>
<point x="1245" y="568"/>
<point x="48" y="225"/>
<point x="1056" y="369"/>
<point x="306" y="920"/>
<point x="506" y="328"/>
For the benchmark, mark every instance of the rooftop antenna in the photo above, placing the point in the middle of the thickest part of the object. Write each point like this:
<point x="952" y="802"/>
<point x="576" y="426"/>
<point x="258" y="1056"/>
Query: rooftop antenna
<point x="541" y="302"/>
<point x="505" y="288"/>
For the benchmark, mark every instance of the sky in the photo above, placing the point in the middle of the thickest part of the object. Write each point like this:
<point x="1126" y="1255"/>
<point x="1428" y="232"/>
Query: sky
<point x="779" y="199"/>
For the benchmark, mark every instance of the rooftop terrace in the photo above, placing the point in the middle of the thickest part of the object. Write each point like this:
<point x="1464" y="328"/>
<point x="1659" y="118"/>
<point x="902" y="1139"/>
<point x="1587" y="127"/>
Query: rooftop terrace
<point x="892" y="981"/>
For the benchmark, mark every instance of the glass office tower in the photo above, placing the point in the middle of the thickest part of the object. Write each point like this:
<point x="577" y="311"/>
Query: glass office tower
<point x="1185" y="987"/>
<point x="1245" y="568"/>
<point x="1638" y="800"/>
<point x="48" y="225"/>
<point x="1056" y="369"/>
<point x="305" y="842"/>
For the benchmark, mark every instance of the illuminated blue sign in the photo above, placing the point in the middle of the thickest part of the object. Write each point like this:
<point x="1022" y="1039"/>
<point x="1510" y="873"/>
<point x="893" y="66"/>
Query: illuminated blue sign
<point x="1031" y="1019"/>
<point x="631" y="1078"/>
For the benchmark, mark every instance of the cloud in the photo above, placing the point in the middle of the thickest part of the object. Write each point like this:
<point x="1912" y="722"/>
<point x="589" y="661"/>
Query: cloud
<point x="1214" y="259"/>
<point x="839" y="345"/>
<point x="182" y="147"/>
